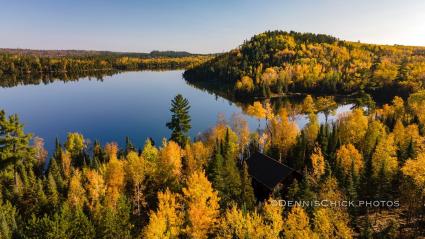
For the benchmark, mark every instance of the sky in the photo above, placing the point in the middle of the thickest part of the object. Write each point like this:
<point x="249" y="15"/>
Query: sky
<point x="201" y="26"/>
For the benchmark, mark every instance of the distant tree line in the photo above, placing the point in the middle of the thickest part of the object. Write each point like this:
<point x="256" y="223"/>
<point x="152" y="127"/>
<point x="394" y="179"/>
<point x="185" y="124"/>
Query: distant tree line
<point x="32" y="64"/>
<point x="35" y="67"/>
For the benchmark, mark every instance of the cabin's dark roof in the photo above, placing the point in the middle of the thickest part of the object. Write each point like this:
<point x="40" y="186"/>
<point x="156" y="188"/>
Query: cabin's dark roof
<point x="267" y="170"/>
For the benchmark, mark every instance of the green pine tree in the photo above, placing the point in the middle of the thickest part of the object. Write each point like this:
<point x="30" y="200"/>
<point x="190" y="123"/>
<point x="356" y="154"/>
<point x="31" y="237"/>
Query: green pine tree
<point x="247" y="197"/>
<point x="8" y="224"/>
<point x="215" y="171"/>
<point x="52" y="191"/>
<point x="14" y="143"/>
<point x="116" y="223"/>
<point x="293" y="191"/>
<point x="180" y="120"/>
<point x="129" y="147"/>
<point x="66" y="223"/>
<point x="231" y="175"/>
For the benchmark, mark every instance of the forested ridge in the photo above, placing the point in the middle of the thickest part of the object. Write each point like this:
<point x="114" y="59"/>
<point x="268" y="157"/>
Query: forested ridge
<point x="277" y="62"/>
<point x="201" y="188"/>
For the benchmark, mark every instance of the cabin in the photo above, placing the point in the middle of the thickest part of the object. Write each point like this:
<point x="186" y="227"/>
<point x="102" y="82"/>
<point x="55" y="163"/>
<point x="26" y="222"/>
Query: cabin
<point x="267" y="173"/>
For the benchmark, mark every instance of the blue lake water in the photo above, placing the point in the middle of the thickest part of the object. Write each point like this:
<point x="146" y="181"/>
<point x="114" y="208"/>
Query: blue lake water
<point x="134" y="104"/>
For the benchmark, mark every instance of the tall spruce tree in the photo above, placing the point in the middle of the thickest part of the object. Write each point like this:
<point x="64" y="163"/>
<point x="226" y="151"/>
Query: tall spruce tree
<point x="215" y="169"/>
<point x="180" y="120"/>
<point x="247" y="191"/>
<point x="231" y="174"/>
<point x="14" y="143"/>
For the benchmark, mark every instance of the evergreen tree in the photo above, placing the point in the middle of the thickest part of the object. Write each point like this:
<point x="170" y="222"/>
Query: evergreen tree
<point x="14" y="143"/>
<point x="52" y="191"/>
<point x="215" y="171"/>
<point x="410" y="151"/>
<point x="231" y="176"/>
<point x="293" y="191"/>
<point x="115" y="223"/>
<point x="180" y="120"/>
<point x="98" y="153"/>
<point x="247" y="192"/>
<point x="66" y="223"/>
<point x="8" y="224"/>
<point x="367" y="229"/>
<point x="129" y="147"/>
<point x="366" y="183"/>
<point x="55" y="171"/>
<point x="80" y="225"/>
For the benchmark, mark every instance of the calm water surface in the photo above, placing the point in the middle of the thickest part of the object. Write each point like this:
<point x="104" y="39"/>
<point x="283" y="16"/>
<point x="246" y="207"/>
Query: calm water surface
<point x="134" y="104"/>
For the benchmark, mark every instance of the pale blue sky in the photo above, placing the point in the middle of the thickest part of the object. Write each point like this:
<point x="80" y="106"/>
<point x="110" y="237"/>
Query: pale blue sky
<point x="200" y="25"/>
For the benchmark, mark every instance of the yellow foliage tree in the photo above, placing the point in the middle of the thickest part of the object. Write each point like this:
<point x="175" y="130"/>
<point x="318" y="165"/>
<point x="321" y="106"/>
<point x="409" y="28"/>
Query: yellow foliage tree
<point x="114" y="180"/>
<point x="385" y="157"/>
<point x="75" y="143"/>
<point x="66" y="163"/>
<point x="329" y="190"/>
<point x="323" y="226"/>
<point x="386" y="71"/>
<point x="202" y="205"/>
<point x="171" y="159"/>
<point x="111" y="150"/>
<point x="95" y="188"/>
<point x="166" y="222"/>
<point x="352" y="127"/>
<point x="317" y="163"/>
<point x="273" y="219"/>
<point x="195" y="157"/>
<point x="282" y="132"/>
<point x="375" y="131"/>
<point x="219" y="133"/>
<point x="256" y="110"/>
<point x="329" y="224"/>
<point x="150" y="154"/>
<point x="348" y="157"/>
<point x="297" y="224"/>
<point x="269" y="76"/>
<point x="76" y="192"/>
<point x="189" y="165"/>
<point x="308" y="105"/>
<point x="237" y="224"/>
<point x="311" y="129"/>
<point x="241" y="128"/>
<point x="135" y="173"/>
<point x="326" y="104"/>
<point x="398" y="105"/>
<point x="404" y="136"/>
<point x="416" y="103"/>
<point x="415" y="169"/>
<point x="245" y="84"/>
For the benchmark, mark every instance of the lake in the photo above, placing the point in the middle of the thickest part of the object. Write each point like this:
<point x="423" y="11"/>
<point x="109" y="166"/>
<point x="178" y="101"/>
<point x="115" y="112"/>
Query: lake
<point x="133" y="104"/>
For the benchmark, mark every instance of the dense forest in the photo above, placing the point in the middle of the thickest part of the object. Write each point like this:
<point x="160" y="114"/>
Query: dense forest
<point x="277" y="62"/>
<point x="201" y="188"/>
<point x="182" y="187"/>
<point x="34" y="66"/>
<point x="79" y="53"/>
